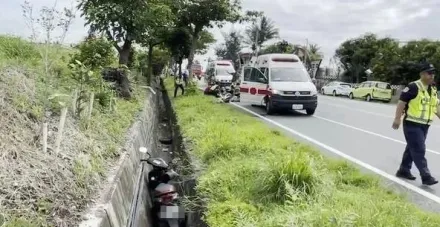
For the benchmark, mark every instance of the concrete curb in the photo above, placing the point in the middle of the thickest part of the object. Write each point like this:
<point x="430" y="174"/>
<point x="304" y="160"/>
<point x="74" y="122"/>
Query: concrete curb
<point x="115" y="207"/>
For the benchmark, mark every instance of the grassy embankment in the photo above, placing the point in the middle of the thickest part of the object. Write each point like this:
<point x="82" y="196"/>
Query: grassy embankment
<point x="253" y="175"/>
<point x="47" y="189"/>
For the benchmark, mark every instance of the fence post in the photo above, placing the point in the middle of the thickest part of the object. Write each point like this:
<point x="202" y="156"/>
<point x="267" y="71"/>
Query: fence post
<point x="44" y="131"/>
<point x="60" y="130"/>
<point x="74" y="100"/>
<point x="90" y="110"/>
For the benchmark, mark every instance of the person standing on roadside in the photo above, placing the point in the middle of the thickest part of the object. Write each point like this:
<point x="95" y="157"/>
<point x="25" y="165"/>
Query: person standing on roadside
<point x="419" y="103"/>
<point x="185" y="77"/>
<point x="178" y="83"/>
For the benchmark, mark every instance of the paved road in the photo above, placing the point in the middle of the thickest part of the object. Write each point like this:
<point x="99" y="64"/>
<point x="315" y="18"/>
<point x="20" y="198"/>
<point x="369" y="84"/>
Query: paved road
<point x="361" y="130"/>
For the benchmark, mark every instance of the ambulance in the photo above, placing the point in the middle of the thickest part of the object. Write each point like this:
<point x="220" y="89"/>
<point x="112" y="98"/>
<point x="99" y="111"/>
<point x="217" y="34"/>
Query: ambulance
<point x="220" y="72"/>
<point x="278" y="82"/>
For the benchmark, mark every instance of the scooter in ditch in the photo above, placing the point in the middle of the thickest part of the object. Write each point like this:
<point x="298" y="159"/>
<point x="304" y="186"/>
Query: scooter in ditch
<point x="166" y="210"/>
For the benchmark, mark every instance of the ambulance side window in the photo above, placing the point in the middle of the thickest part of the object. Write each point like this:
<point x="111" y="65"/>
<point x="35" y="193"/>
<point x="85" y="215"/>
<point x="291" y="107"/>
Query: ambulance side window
<point x="247" y="74"/>
<point x="265" y="71"/>
<point x="257" y="75"/>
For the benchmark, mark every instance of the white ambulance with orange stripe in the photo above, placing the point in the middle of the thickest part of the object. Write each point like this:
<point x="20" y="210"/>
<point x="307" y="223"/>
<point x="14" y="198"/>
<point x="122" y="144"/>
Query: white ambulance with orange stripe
<point x="278" y="81"/>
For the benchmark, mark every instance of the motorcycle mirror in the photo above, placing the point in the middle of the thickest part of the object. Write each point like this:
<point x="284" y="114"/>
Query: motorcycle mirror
<point x="144" y="150"/>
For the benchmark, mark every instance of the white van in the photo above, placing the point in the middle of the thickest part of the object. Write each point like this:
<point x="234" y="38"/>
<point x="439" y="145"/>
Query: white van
<point x="220" y="71"/>
<point x="278" y="81"/>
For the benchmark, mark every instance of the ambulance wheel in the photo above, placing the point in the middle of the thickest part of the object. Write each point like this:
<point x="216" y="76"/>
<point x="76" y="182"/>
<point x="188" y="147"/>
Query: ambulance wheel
<point x="350" y="96"/>
<point x="310" y="111"/>
<point x="368" y="98"/>
<point x="269" y="108"/>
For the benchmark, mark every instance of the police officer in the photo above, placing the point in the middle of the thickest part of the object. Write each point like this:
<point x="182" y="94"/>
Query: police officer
<point x="178" y="83"/>
<point x="419" y="103"/>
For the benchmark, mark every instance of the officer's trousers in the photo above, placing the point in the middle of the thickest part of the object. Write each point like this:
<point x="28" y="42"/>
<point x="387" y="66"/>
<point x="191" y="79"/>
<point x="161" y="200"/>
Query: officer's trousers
<point x="177" y="86"/>
<point x="415" y="136"/>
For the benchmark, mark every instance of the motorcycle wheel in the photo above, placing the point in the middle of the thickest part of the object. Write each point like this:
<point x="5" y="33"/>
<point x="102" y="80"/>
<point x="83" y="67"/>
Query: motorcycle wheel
<point x="163" y="224"/>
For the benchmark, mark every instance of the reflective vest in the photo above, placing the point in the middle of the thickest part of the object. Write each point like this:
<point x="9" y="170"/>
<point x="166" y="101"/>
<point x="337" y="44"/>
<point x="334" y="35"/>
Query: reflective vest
<point x="423" y="107"/>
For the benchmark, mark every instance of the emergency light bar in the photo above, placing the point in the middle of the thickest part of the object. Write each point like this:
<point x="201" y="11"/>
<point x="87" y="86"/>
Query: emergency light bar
<point x="284" y="60"/>
<point x="223" y="64"/>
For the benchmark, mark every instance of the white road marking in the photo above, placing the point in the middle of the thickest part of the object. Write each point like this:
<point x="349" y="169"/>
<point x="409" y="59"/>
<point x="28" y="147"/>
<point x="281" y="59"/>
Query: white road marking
<point x="356" y="109"/>
<point x="343" y="155"/>
<point x="366" y="112"/>
<point x="357" y="101"/>
<point x="369" y="132"/>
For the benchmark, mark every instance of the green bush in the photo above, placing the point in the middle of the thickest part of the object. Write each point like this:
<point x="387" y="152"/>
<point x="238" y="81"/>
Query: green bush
<point x="95" y="53"/>
<point x="253" y="175"/>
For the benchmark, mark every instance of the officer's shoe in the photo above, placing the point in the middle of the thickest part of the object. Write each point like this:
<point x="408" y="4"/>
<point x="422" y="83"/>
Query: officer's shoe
<point x="429" y="180"/>
<point x="405" y="175"/>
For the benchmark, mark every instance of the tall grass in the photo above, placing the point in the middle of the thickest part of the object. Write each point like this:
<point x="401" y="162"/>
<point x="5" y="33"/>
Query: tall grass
<point x="255" y="176"/>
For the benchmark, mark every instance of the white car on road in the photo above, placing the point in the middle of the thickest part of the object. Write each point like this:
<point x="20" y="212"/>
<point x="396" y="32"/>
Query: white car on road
<point x="336" y="88"/>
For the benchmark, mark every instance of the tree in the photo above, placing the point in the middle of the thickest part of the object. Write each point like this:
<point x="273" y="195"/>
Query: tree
<point x="179" y="44"/>
<point x="279" y="47"/>
<point x="157" y="32"/>
<point x="231" y="47"/>
<point x="259" y="33"/>
<point x="388" y="60"/>
<point x="196" y="15"/>
<point x="124" y="21"/>
<point x="206" y="38"/>
<point x="356" y="54"/>
<point x="400" y="65"/>
<point x="314" y="52"/>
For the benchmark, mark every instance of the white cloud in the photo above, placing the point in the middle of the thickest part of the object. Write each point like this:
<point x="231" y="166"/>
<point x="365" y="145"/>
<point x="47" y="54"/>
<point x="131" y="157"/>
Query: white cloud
<point x="324" y="22"/>
<point x="13" y="22"/>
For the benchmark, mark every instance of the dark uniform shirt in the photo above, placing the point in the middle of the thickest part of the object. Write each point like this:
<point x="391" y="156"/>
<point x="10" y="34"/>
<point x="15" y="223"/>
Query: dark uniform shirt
<point x="409" y="93"/>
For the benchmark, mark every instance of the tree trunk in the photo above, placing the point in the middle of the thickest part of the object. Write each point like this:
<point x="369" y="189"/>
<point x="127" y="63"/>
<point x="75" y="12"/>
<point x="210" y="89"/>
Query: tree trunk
<point x="192" y="52"/>
<point x="150" y="60"/>
<point x="180" y="68"/>
<point x="124" y="52"/>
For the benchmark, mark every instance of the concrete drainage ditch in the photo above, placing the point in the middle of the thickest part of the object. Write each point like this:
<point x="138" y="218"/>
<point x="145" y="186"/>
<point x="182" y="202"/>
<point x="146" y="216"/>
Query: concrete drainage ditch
<point x="126" y="202"/>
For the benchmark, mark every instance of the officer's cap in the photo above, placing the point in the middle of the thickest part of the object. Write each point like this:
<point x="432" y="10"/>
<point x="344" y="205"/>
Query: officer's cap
<point x="427" y="67"/>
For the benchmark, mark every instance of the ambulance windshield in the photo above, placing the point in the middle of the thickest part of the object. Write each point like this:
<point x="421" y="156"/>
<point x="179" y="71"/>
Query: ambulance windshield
<point x="225" y="71"/>
<point x="289" y="75"/>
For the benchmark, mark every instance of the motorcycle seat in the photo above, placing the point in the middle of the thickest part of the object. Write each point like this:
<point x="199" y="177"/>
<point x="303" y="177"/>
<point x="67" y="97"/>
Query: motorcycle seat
<point x="158" y="163"/>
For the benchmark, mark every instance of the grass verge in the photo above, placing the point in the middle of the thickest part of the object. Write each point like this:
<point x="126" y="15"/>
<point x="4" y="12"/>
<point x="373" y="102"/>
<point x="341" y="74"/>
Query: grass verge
<point x="43" y="188"/>
<point x="253" y="175"/>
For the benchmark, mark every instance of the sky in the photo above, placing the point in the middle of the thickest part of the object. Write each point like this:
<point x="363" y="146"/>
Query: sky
<point x="326" y="23"/>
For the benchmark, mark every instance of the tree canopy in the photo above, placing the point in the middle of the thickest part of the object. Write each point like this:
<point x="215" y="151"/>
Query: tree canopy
<point x="202" y="43"/>
<point x="125" y="22"/>
<point x="197" y="15"/>
<point x="388" y="59"/>
<point x="179" y="44"/>
<point x="259" y="33"/>
<point x="230" y="48"/>
<point x="280" y="47"/>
